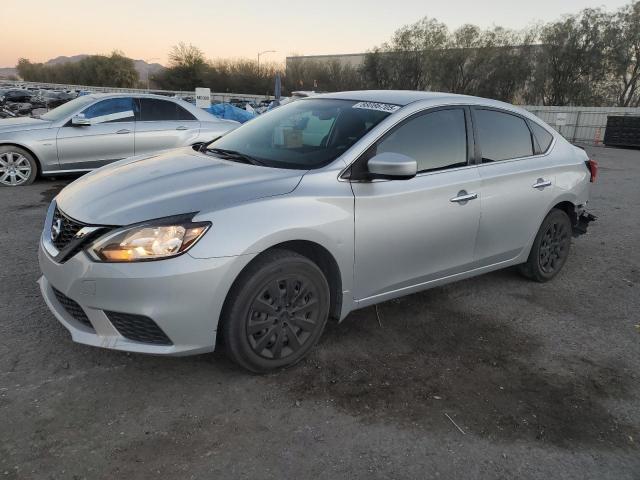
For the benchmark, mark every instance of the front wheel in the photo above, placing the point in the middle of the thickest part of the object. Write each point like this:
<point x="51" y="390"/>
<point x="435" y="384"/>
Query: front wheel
<point x="17" y="167"/>
<point x="550" y="248"/>
<point x="275" y="312"/>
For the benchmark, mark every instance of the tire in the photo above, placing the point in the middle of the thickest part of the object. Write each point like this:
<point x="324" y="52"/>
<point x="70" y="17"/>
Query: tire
<point x="17" y="167"/>
<point x="550" y="248"/>
<point x="275" y="312"/>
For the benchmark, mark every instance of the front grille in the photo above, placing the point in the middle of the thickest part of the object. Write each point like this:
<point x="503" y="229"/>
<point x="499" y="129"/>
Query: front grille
<point x="138" y="328"/>
<point x="72" y="308"/>
<point x="68" y="229"/>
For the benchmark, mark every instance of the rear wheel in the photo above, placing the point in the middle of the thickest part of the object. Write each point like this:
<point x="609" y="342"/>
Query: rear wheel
<point x="550" y="248"/>
<point x="276" y="311"/>
<point x="17" y="167"/>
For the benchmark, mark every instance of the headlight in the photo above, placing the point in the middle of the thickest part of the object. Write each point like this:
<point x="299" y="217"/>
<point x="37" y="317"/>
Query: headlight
<point x="147" y="241"/>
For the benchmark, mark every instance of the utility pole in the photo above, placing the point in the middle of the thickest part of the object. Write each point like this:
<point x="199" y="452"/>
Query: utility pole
<point x="262" y="53"/>
<point x="147" y="70"/>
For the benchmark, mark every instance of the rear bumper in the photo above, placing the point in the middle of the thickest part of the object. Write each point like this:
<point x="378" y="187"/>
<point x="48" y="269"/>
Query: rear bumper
<point x="584" y="219"/>
<point x="183" y="296"/>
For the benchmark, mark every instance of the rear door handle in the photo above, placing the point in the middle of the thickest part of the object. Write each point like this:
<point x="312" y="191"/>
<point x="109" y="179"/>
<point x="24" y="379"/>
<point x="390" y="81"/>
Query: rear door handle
<point x="541" y="183"/>
<point x="123" y="131"/>
<point x="463" y="197"/>
<point x="182" y="128"/>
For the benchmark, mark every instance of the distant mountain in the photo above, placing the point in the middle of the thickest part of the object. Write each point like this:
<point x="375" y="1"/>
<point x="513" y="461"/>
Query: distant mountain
<point x="141" y="66"/>
<point x="63" y="59"/>
<point x="145" y="68"/>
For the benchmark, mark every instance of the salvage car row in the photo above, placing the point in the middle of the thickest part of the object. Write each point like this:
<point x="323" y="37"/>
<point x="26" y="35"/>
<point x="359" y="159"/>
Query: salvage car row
<point x="18" y="102"/>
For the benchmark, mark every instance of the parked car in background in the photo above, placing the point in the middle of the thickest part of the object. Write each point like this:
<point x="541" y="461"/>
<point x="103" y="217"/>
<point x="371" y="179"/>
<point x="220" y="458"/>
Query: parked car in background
<point x="53" y="99"/>
<point x="315" y="209"/>
<point x="94" y="130"/>
<point x="31" y="101"/>
<point x="298" y="95"/>
<point x="16" y="95"/>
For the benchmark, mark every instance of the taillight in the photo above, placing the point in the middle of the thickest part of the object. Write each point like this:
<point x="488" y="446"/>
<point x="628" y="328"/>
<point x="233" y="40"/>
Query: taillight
<point x="592" y="165"/>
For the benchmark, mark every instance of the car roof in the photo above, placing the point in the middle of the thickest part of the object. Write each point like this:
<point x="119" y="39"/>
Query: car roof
<point x="136" y="95"/>
<point x="396" y="97"/>
<point x="406" y="97"/>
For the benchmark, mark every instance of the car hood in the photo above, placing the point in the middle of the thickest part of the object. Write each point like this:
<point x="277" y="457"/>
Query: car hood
<point x="171" y="183"/>
<point x="22" y="123"/>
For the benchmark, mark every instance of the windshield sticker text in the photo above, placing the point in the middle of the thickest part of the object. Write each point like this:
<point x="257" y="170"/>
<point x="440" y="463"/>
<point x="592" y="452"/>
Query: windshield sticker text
<point x="383" y="107"/>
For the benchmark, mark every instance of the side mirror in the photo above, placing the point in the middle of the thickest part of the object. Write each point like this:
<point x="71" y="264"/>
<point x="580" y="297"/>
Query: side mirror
<point x="79" y="120"/>
<point x="392" y="166"/>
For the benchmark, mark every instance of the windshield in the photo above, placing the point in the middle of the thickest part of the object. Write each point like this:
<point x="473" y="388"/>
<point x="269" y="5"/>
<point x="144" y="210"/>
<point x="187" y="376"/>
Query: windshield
<point x="67" y="109"/>
<point x="303" y="135"/>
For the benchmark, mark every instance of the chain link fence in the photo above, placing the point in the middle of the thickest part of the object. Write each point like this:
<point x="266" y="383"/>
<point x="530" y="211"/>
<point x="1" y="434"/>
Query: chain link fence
<point x="215" y="96"/>
<point x="584" y="125"/>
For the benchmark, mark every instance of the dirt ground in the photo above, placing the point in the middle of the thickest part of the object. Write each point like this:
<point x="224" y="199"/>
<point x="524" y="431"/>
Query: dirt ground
<point x="494" y="377"/>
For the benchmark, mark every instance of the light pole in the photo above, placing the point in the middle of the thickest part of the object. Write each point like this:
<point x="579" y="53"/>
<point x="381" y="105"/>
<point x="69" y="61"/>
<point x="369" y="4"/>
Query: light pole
<point x="147" y="69"/>
<point x="262" y="53"/>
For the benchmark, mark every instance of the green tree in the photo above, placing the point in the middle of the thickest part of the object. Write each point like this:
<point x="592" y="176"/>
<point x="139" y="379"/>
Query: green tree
<point x="458" y="66"/>
<point x="405" y="61"/>
<point x="622" y="54"/>
<point x="571" y="62"/>
<point x="331" y="76"/>
<point x="504" y="64"/>
<point x="187" y="70"/>
<point x="114" y="70"/>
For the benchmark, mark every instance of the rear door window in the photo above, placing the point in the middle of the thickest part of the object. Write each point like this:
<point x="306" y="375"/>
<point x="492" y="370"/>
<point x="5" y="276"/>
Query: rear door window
<point x="183" y="113"/>
<point x="502" y="136"/>
<point x="155" y="110"/>
<point x="543" y="137"/>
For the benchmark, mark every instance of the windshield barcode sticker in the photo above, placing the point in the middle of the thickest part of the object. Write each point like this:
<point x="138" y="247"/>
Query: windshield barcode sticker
<point x="383" y="107"/>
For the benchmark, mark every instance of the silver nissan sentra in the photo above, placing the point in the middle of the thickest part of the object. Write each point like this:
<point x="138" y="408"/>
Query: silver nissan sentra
<point x="310" y="211"/>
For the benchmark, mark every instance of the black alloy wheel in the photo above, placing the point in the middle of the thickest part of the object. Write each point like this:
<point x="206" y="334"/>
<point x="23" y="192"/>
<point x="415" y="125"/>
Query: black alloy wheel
<point x="550" y="248"/>
<point x="275" y="312"/>
<point x="283" y="317"/>
<point x="554" y="247"/>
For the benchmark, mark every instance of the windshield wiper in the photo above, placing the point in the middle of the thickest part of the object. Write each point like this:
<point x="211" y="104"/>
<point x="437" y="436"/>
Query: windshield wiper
<point x="234" y="155"/>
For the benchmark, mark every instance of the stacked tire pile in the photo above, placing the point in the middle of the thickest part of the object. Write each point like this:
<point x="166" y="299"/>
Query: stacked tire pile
<point x="622" y="131"/>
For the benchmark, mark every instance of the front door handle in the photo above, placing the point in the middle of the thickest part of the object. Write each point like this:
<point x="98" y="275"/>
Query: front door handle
<point x="463" y="197"/>
<point x="541" y="183"/>
<point x="182" y="127"/>
<point x="123" y="131"/>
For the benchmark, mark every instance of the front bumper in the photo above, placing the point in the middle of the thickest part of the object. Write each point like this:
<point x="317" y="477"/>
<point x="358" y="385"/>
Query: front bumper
<point x="183" y="296"/>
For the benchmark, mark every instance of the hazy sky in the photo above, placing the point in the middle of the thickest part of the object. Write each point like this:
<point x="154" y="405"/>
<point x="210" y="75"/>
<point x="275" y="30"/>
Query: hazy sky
<point x="144" y="29"/>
